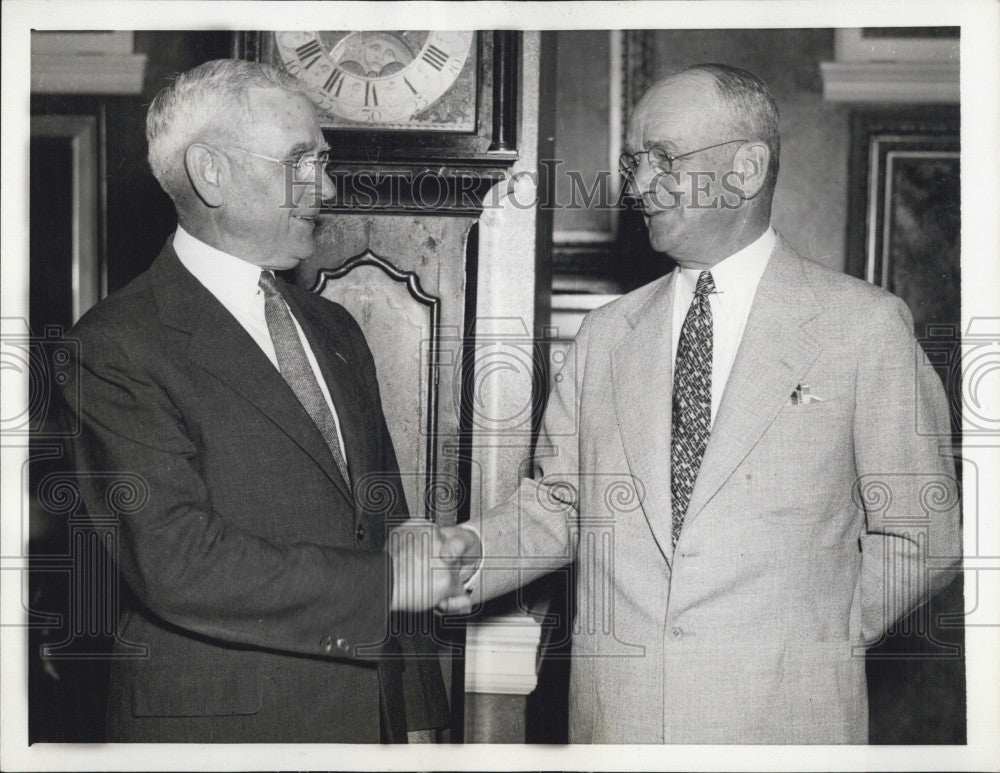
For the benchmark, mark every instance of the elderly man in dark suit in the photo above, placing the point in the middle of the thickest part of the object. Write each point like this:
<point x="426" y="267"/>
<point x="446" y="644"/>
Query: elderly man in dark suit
<point x="260" y="575"/>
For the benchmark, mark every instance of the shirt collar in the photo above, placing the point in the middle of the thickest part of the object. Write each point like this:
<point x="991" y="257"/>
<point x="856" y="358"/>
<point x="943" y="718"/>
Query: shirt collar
<point x="741" y="271"/>
<point x="227" y="277"/>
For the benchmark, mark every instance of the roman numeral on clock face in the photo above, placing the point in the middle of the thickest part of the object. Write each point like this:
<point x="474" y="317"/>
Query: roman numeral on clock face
<point x="393" y="99"/>
<point x="311" y="51"/>
<point x="435" y="57"/>
<point x="335" y="81"/>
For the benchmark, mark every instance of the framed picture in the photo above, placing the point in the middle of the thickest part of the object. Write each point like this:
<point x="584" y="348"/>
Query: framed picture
<point x="588" y="136"/>
<point x="68" y="275"/>
<point x="905" y="209"/>
<point x="390" y="99"/>
<point x="599" y="243"/>
<point x="600" y="74"/>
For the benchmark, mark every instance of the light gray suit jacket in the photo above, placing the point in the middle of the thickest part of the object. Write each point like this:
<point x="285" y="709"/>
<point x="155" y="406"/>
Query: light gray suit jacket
<point x="811" y="528"/>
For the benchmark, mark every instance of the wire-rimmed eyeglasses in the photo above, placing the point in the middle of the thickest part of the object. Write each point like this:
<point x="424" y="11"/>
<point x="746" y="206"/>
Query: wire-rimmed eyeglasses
<point x="303" y="167"/>
<point x="660" y="159"/>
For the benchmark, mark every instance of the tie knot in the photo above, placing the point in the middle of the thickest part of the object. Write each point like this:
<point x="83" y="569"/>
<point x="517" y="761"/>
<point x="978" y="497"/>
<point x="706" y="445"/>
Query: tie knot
<point x="706" y="285"/>
<point x="268" y="283"/>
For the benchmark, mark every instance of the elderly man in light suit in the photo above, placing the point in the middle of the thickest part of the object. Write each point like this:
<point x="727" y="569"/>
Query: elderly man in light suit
<point x="714" y="457"/>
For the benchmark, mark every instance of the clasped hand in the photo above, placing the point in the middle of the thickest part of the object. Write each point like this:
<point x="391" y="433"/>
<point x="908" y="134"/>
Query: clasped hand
<point x="430" y="566"/>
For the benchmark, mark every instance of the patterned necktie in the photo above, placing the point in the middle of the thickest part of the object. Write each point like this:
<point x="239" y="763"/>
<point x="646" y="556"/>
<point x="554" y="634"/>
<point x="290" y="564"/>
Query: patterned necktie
<point x="692" y="401"/>
<point x="295" y="368"/>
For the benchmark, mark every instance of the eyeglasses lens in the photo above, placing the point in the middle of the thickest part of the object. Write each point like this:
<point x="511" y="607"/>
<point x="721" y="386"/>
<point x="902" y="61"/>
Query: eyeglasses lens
<point x="659" y="159"/>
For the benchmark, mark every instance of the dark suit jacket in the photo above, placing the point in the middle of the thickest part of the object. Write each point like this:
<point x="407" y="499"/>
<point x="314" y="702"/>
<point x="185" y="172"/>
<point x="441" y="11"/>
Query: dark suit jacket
<point x="259" y="579"/>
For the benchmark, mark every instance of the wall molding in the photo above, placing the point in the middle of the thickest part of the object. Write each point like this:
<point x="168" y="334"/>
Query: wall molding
<point x="912" y="82"/>
<point x="502" y="654"/>
<point x="87" y="73"/>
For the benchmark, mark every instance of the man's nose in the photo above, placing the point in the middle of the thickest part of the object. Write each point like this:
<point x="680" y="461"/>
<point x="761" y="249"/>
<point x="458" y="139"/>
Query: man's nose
<point x="328" y="189"/>
<point x="641" y="183"/>
<point x="319" y="190"/>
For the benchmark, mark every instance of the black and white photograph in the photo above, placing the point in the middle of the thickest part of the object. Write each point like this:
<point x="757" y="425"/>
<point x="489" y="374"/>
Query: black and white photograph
<point x="566" y="386"/>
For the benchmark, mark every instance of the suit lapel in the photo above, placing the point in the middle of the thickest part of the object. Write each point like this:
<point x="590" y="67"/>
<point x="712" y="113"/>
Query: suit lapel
<point x="642" y="371"/>
<point x="219" y="345"/>
<point x="775" y="354"/>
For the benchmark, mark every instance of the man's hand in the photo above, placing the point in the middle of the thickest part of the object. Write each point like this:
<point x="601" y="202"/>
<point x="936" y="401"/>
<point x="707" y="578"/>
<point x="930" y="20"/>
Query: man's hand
<point x="463" y="551"/>
<point x="421" y="576"/>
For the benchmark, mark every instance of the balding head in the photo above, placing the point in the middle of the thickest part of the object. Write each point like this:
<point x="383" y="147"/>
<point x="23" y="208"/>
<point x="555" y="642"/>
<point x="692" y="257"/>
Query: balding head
<point x="684" y="109"/>
<point x="748" y="105"/>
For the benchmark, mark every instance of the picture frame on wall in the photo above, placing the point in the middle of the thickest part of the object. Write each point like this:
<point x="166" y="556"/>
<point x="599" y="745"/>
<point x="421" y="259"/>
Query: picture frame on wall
<point x="602" y="74"/>
<point x="905" y="208"/>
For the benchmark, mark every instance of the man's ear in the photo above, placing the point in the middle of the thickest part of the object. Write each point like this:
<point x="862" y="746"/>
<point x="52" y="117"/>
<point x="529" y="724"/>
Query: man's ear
<point x="205" y="171"/>
<point x="751" y="164"/>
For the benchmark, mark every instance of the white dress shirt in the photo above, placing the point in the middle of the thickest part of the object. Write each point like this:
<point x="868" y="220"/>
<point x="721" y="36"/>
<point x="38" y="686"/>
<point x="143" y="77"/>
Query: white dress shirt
<point x="233" y="281"/>
<point x="736" y="279"/>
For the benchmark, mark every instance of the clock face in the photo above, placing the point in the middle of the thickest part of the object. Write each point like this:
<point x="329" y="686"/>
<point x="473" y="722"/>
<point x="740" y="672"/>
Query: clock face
<point x="387" y="80"/>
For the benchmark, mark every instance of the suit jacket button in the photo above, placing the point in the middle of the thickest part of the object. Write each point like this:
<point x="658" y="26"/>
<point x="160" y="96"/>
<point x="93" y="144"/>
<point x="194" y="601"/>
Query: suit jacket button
<point x="342" y="645"/>
<point x="326" y="643"/>
<point x="676" y="633"/>
<point x="359" y="533"/>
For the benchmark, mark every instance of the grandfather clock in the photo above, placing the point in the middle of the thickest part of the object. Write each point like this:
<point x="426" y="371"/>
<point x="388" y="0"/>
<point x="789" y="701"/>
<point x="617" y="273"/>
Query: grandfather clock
<point x="422" y="129"/>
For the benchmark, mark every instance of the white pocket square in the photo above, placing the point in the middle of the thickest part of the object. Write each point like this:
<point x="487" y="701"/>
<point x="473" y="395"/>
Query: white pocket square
<point x="802" y="395"/>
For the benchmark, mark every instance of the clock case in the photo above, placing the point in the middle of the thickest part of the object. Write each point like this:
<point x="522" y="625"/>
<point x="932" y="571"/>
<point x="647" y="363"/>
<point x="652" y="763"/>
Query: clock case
<point x="415" y="170"/>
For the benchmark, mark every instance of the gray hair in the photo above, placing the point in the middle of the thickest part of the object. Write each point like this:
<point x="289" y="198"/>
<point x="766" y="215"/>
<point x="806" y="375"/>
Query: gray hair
<point x="208" y="100"/>
<point x="751" y="106"/>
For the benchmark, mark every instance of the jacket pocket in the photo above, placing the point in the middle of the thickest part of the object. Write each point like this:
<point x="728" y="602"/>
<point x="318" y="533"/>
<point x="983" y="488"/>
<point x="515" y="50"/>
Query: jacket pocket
<point x="195" y="689"/>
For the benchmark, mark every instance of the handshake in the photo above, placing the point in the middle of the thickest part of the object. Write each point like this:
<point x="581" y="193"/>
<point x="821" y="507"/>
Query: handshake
<point x="430" y="566"/>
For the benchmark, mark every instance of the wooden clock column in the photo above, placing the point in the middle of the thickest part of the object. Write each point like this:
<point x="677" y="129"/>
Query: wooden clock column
<point x="404" y="279"/>
<point x="422" y="283"/>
